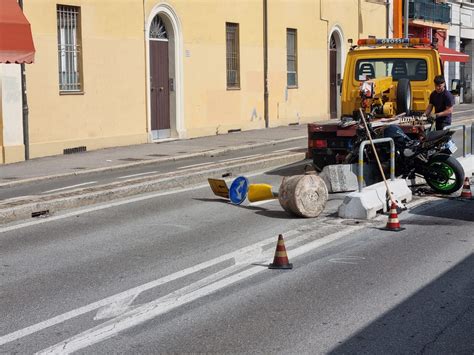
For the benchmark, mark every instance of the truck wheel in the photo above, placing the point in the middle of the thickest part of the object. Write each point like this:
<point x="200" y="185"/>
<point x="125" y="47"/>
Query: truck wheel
<point x="403" y="96"/>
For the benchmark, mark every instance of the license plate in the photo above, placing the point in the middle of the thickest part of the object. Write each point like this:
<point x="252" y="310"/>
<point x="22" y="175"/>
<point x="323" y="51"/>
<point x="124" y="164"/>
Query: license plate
<point x="451" y="146"/>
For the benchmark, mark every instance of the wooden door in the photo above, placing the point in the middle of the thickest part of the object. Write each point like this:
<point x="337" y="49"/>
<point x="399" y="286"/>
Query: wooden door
<point x="159" y="85"/>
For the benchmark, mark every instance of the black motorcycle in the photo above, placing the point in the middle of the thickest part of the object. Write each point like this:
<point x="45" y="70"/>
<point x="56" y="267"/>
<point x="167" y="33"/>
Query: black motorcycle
<point x="429" y="157"/>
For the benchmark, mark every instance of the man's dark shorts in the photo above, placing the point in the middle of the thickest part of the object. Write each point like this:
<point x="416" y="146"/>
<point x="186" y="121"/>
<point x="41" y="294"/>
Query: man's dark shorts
<point x="442" y="122"/>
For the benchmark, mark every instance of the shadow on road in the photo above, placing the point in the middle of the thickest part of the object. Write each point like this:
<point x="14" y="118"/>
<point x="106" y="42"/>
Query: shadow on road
<point x="276" y="214"/>
<point x="438" y="319"/>
<point x="297" y="168"/>
<point x="443" y="211"/>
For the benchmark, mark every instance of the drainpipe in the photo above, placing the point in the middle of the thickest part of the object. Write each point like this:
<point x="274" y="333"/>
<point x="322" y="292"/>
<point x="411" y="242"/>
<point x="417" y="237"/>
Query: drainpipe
<point x="359" y="19"/>
<point x="26" y="137"/>
<point x="406" y="19"/>
<point x="145" y="58"/>
<point x="265" y="64"/>
<point x="397" y="19"/>
<point x="328" y="79"/>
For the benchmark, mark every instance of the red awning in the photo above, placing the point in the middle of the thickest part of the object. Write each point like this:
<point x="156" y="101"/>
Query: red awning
<point x="451" y="55"/>
<point x="16" y="42"/>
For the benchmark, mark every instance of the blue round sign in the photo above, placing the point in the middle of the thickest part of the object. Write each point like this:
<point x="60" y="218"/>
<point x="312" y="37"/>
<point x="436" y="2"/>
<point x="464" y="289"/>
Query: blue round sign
<point x="238" y="190"/>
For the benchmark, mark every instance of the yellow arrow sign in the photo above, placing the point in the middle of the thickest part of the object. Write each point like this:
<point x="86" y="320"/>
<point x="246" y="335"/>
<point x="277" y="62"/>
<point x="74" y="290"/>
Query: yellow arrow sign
<point x="219" y="187"/>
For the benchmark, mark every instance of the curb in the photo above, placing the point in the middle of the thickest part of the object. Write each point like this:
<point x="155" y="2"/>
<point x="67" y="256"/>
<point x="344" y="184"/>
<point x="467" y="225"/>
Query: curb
<point x="22" y="209"/>
<point x="149" y="162"/>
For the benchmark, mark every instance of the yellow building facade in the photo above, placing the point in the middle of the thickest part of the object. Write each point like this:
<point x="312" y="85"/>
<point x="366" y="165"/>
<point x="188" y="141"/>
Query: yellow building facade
<point x="112" y="73"/>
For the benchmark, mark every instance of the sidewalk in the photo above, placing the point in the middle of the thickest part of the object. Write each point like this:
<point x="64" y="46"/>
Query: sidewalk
<point x="128" y="156"/>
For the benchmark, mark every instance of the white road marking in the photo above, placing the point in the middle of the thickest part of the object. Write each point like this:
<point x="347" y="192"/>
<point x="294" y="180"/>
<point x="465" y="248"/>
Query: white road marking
<point x="258" y="203"/>
<point x="109" y="205"/>
<point x="133" y="292"/>
<point x="70" y="187"/>
<point x="242" y="258"/>
<point x="244" y="157"/>
<point x="195" y="165"/>
<point x="456" y="112"/>
<point x="115" y="308"/>
<point x="97" y="208"/>
<point x="239" y="256"/>
<point x="283" y="150"/>
<point x="199" y="289"/>
<point x="140" y="174"/>
<point x="347" y="260"/>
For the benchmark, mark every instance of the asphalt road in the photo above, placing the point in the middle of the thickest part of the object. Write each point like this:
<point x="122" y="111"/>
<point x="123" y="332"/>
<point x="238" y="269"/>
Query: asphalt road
<point x="106" y="177"/>
<point x="44" y="187"/>
<point x="187" y="272"/>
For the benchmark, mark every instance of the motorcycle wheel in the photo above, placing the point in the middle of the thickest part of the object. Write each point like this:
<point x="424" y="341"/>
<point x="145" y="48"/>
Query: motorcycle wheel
<point x="444" y="174"/>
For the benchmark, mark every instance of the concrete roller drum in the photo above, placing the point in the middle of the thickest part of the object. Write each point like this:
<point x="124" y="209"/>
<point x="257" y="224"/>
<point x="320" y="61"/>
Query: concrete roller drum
<point x="303" y="195"/>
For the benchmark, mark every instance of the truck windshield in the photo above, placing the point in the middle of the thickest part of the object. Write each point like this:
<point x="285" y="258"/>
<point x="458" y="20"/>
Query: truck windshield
<point x="414" y="69"/>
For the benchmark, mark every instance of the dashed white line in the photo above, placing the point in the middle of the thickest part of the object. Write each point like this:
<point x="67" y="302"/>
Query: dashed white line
<point x="110" y="205"/>
<point x="70" y="187"/>
<point x="244" y="157"/>
<point x="195" y="165"/>
<point x="140" y="174"/>
<point x="285" y="149"/>
<point x="462" y="111"/>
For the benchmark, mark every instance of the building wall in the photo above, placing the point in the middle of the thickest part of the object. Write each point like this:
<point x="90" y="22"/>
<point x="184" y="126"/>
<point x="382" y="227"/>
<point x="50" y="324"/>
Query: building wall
<point x="309" y="100"/>
<point x="209" y="108"/>
<point x="115" y="106"/>
<point x="111" y="111"/>
<point x="212" y="108"/>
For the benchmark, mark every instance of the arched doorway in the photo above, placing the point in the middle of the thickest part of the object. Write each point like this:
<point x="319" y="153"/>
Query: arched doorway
<point x="164" y="70"/>
<point x="335" y="72"/>
<point x="160" y="84"/>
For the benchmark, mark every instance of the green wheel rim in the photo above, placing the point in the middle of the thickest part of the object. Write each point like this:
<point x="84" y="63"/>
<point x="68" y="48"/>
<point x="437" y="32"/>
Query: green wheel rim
<point x="443" y="176"/>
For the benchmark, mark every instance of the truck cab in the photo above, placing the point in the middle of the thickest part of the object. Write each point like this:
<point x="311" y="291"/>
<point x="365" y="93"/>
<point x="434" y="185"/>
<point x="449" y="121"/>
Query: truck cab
<point x="418" y="65"/>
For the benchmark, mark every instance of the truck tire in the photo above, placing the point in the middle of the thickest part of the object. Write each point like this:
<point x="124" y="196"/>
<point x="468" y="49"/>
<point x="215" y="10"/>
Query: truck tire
<point x="404" y="97"/>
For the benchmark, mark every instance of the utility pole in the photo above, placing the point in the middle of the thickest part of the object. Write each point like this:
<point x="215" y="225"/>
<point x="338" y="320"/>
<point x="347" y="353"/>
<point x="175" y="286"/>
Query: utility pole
<point x="265" y="63"/>
<point x="406" y="19"/>
<point x="397" y="19"/>
<point x="26" y="137"/>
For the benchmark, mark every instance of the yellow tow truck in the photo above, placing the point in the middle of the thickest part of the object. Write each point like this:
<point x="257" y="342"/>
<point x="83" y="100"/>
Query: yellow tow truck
<point x="391" y="80"/>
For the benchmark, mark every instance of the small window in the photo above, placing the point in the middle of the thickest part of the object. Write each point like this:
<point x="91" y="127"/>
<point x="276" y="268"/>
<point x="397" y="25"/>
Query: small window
<point x="291" y="58"/>
<point x="233" y="55"/>
<point x="69" y="49"/>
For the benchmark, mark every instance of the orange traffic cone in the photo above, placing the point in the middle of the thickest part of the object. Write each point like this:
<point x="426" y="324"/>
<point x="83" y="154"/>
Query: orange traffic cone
<point x="280" y="261"/>
<point x="466" y="190"/>
<point x="393" y="224"/>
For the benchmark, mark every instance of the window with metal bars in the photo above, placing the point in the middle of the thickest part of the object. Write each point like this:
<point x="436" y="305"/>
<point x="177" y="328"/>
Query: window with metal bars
<point x="232" y="55"/>
<point x="291" y="58"/>
<point x="69" y="49"/>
